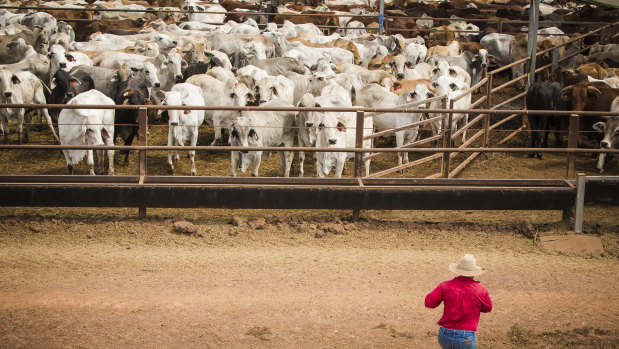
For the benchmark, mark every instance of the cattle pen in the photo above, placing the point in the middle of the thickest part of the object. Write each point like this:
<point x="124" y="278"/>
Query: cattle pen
<point x="439" y="190"/>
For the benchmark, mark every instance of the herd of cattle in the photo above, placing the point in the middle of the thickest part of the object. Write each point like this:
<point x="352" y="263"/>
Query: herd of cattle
<point x="199" y="57"/>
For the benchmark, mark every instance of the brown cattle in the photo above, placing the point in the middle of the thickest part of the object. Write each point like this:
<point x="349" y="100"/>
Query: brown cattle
<point x="325" y="20"/>
<point x="592" y="69"/>
<point x="382" y="63"/>
<point x="84" y="30"/>
<point x="596" y="96"/>
<point x="70" y="14"/>
<point x="403" y="86"/>
<point x="472" y="47"/>
<point x="405" y="27"/>
<point x="444" y="33"/>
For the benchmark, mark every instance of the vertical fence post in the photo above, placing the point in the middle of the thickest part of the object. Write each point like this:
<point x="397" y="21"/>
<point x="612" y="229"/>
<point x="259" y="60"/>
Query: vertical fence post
<point x="572" y="143"/>
<point x="447" y="137"/>
<point x="359" y="144"/>
<point x="142" y="130"/>
<point x="580" y="201"/>
<point x="555" y="59"/>
<point x="488" y="106"/>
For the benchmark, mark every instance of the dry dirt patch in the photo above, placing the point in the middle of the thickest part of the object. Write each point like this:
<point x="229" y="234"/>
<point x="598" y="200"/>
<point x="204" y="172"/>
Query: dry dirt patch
<point x="101" y="278"/>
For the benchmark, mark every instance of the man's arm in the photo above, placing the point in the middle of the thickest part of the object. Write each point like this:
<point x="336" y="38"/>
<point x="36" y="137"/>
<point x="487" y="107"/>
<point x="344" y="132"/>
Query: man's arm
<point x="434" y="298"/>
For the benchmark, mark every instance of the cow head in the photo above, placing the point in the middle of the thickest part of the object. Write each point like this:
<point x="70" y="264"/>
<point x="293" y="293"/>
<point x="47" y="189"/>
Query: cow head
<point x="308" y="121"/>
<point x="579" y="95"/>
<point x="174" y="63"/>
<point x="238" y="93"/>
<point x="610" y="128"/>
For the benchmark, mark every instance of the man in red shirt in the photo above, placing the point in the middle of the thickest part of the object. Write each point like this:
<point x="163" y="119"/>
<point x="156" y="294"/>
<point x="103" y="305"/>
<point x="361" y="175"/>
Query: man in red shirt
<point x="464" y="299"/>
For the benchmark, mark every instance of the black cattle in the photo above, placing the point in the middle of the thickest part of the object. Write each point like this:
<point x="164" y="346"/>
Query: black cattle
<point x="192" y="69"/>
<point x="130" y="92"/>
<point x="66" y="86"/>
<point x="545" y="96"/>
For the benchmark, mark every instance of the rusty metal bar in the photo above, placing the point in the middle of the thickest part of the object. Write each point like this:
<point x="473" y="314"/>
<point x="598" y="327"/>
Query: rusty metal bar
<point x="508" y="118"/>
<point x="518" y="96"/>
<point x="511" y="82"/>
<point x="347" y="109"/>
<point x="572" y="143"/>
<point x="447" y="142"/>
<point x="310" y="149"/>
<point x="464" y="163"/>
<point x="359" y="143"/>
<point x="405" y="166"/>
<point x="142" y="131"/>
<point x="407" y="146"/>
<point x="513" y="134"/>
<point x="467" y="126"/>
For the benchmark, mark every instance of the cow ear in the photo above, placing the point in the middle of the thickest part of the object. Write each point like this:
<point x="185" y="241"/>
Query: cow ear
<point x="183" y="63"/>
<point x="200" y="8"/>
<point x="74" y="82"/>
<point x="321" y="126"/>
<point x="341" y="127"/>
<point x="599" y="126"/>
<point x="164" y="64"/>
<point x="15" y="80"/>
<point x="70" y="58"/>
<point x="490" y="58"/>
<point x="274" y="91"/>
<point x="410" y="96"/>
<point x="147" y="102"/>
<point x="253" y="134"/>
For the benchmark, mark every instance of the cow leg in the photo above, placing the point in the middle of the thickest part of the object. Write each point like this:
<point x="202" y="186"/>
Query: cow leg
<point x="601" y="161"/>
<point x="128" y="142"/>
<point x="170" y="152"/>
<point x="193" y="140"/>
<point x="234" y="159"/>
<point x="256" y="164"/>
<point x="70" y="168"/>
<point x="5" y="127"/>
<point x="90" y="161"/>
<point x="20" y="128"/>
<point x="100" y="161"/>
<point x="217" y="128"/>
<point x="45" y="113"/>
<point x="287" y="156"/>
<point x="399" y="141"/>
<point x="339" y="165"/>
<point x="465" y="120"/>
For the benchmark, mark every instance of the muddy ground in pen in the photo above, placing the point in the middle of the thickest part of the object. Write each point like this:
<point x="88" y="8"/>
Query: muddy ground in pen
<point x="91" y="278"/>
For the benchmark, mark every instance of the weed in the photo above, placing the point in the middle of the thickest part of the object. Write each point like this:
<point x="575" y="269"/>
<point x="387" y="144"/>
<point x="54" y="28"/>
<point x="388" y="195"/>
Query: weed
<point x="259" y="332"/>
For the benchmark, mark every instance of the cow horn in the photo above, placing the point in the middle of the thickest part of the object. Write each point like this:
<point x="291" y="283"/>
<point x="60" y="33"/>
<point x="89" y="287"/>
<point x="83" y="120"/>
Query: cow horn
<point x="567" y="89"/>
<point x="594" y="90"/>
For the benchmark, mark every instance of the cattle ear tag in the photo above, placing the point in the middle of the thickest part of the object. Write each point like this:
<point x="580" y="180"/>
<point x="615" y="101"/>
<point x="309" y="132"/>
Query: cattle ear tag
<point x="340" y="127"/>
<point x="70" y="58"/>
<point x="104" y="133"/>
<point x="187" y="111"/>
<point x="454" y="87"/>
<point x="209" y="56"/>
<point x="147" y="102"/>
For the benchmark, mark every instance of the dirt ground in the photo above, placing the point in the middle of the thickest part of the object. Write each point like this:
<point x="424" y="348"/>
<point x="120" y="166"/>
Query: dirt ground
<point x="100" y="278"/>
<point x="86" y="278"/>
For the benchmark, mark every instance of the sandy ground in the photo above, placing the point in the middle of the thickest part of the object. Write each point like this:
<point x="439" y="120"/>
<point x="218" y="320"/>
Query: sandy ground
<point x="93" y="279"/>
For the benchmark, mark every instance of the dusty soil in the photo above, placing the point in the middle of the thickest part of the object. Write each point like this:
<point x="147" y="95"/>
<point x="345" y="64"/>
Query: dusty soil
<point x="83" y="278"/>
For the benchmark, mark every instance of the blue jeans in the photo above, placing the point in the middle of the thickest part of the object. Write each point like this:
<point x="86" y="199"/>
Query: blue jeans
<point x="456" y="339"/>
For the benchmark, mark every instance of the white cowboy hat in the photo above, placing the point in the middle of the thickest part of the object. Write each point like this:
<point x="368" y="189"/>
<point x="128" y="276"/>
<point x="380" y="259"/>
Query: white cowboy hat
<point x="467" y="266"/>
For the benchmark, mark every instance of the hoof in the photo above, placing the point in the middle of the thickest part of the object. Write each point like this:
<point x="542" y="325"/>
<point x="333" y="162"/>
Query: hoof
<point x="171" y="171"/>
<point x="540" y="156"/>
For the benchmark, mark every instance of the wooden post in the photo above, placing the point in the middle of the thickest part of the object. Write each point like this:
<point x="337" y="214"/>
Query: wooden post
<point x="572" y="143"/>
<point x="447" y="138"/>
<point x="359" y="144"/>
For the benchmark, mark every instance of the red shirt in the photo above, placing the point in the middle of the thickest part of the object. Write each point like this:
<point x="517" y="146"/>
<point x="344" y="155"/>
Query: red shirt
<point x="464" y="298"/>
